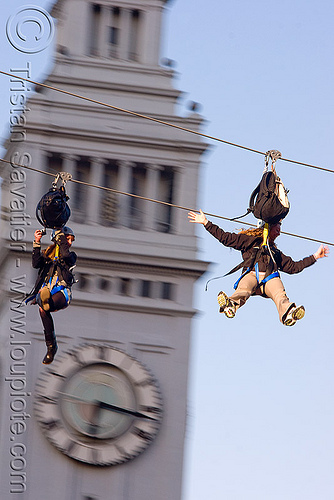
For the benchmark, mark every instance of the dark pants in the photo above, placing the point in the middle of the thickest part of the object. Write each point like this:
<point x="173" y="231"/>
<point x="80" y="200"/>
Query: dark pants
<point x="57" y="302"/>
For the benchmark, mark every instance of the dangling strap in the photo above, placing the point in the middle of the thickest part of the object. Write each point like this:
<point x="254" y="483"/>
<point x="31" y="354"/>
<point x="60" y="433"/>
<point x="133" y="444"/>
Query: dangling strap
<point x="257" y="273"/>
<point x="56" y="258"/>
<point x="249" y="262"/>
<point x="235" y="286"/>
<point x="56" y="253"/>
<point x="265" y="235"/>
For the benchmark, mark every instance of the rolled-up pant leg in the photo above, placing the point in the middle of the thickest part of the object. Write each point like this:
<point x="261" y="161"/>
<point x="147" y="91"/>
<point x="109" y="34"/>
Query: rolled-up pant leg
<point x="274" y="289"/>
<point x="246" y="288"/>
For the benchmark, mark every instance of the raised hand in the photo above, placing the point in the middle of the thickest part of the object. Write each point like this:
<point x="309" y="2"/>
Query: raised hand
<point x="38" y="235"/>
<point x="199" y="218"/>
<point x="322" y="251"/>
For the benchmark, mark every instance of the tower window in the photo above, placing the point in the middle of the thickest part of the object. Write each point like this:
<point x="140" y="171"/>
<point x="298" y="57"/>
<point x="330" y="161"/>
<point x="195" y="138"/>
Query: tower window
<point x="166" y="193"/>
<point x="114" y="32"/>
<point x="124" y="286"/>
<point x="109" y="201"/>
<point x="104" y="284"/>
<point x="167" y="290"/>
<point x="94" y="30"/>
<point x="113" y="36"/>
<point x="137" y="187"/>
<point x="83" y="282"/>
<point x="146" y="288"/>
<point x="134" y="35"/>
<point x="81" y="193"/>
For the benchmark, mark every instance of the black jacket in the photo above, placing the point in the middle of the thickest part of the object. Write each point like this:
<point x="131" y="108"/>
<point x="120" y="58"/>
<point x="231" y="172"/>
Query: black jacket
<point x="48" y="267"/>
<point x="246" y="244"/>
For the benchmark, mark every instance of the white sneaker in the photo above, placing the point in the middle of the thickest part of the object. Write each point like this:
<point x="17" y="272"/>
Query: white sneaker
<point x="294" y="315"/>
<point x="226" y="306"/>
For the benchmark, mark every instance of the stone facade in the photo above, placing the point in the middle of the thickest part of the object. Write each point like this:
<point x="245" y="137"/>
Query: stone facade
<point x="137" y="261"/>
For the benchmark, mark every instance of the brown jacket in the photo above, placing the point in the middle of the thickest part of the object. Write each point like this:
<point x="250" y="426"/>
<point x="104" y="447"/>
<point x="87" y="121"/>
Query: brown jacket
<point x="246" y="243"/>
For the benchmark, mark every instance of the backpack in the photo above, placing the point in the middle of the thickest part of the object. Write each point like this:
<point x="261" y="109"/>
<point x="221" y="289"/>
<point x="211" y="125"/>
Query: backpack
<point x="269" y="201"/>
<point x="52" y="210"/>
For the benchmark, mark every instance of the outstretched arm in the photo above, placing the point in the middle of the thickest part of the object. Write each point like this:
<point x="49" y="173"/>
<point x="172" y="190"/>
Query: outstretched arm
<point x="322" y="251"/>
<point x="198" y="218"/>
<point x="233" y="240"/>
<point x="287" y="265"/>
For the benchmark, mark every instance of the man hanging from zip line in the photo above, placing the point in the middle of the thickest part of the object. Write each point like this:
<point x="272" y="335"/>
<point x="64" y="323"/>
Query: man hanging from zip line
<point x="262" y="261"/>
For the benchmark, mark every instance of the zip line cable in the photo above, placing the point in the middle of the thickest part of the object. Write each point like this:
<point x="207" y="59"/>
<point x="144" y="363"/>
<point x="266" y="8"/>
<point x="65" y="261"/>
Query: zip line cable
<point x="161" y="122"/>
<point x="116" y="191"/>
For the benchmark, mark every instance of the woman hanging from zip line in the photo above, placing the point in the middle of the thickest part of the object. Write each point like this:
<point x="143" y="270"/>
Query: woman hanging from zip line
<point x="261" y="262"/>
<point x="52" y="290"/>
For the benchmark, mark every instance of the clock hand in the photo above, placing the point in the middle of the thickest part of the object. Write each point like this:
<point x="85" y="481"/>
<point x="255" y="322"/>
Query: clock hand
<point x="93" y="425"/>
<point x="118" y="409"/>
<point x="107" y="406"/>
<point x="76" y="398"/>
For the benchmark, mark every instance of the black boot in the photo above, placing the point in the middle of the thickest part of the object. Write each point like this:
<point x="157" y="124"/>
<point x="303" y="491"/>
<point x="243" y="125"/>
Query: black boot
<point x="51" y="344"/>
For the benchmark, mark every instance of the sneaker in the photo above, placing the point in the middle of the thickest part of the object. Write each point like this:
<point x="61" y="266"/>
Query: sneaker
<point x="230" y="311"/>
<point x="226" y="306"/>
<point x="45" y="296"/>
<point x="294" y="315"/>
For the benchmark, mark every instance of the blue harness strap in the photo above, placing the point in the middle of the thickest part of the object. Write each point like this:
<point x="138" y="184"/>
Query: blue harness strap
<point x="29" y="299"/>
<point x="235" y="286"/>
<point x="272" y="275"/>
<point x="56" y="289"/>
<point x="275" y="274"/>
<point x="257" y="273"/>
<point x="64" y="290"/>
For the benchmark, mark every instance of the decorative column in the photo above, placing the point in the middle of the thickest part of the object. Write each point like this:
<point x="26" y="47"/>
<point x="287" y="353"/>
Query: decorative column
<point x="39" y="181"/>
<point x="151" y="191"/>
<point x="150" y="35"/>
<point x="125" y="28"/>
<point x="34" y="183"/>
<point x="101" y="42"/>
<point x="104" y="30"/>
<point x="182" y="186"/>
<point x="124" y="185"/>
<point x="94" y="194"/>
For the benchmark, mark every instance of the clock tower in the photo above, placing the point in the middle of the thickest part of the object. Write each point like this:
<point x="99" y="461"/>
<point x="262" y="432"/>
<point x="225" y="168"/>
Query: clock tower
<point x="107" y="419"/>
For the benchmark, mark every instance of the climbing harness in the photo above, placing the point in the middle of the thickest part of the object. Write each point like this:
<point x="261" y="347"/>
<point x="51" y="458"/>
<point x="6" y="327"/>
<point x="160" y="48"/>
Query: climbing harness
<point x="265" y="247"/>
<point x="252" y="262"/>
<point x="52" y="210"/>
<point x="46" y="278"/>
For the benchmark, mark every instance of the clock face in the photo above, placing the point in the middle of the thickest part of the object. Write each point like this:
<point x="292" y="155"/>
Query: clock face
<point x="98" y="405"/>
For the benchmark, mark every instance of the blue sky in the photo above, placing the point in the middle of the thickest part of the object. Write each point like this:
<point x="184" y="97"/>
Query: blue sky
<point x="261" y="408"/>
<point x="261" y="399"/>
